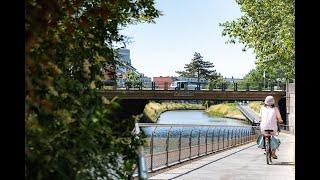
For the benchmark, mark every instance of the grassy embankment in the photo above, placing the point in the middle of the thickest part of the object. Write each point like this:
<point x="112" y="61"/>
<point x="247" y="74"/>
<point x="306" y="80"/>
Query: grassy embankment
<point x="153" y="110"/>
<point x="255" y="105"/>
<point x="227" y="110"/>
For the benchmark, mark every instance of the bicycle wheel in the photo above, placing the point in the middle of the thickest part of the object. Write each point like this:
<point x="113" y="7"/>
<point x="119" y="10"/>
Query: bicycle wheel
<point x="268" y="150"/>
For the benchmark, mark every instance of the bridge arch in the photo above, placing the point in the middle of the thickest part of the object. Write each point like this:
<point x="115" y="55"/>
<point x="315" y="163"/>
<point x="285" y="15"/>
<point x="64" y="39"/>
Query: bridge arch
<point x="283" y="109"/>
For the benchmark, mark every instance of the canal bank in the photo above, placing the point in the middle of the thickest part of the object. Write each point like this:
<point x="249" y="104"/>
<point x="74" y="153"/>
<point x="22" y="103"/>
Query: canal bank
<point x="153" y="110"/>
<point x="226" y="110"/>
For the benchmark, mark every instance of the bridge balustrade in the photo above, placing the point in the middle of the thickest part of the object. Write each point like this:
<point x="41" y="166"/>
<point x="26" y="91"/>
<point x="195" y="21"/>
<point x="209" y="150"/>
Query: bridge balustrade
<point x="212" y="87"/>
<point x="170" y="144"/>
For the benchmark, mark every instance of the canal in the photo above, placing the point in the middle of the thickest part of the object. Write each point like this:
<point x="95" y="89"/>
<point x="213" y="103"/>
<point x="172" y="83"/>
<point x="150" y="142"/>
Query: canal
<point x="197" y="117"/>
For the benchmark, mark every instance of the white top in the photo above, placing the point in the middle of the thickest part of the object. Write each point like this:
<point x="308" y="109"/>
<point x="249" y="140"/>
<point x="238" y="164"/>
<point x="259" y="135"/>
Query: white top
<point x="269" y="118"/>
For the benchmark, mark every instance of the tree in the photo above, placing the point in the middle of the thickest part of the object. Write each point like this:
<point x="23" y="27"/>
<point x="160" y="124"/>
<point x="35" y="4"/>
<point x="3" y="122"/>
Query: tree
<point x="268" y="28"/>
<point x="131" y="79"/>
<point x="215" y="81"/>
<point x="198" y="68"/>
<point x="254" y="78"/>
<point x="72" y="131"/>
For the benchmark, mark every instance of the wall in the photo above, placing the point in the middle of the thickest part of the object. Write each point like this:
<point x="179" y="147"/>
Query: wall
<point x="290" y="94"/>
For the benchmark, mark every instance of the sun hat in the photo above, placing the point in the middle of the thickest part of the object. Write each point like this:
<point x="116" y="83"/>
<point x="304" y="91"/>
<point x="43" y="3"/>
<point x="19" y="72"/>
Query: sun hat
<point x="269" y="100"/>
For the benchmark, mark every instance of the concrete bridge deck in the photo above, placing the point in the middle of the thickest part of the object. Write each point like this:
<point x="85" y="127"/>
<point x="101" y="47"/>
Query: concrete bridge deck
<point x="246" y="162"/>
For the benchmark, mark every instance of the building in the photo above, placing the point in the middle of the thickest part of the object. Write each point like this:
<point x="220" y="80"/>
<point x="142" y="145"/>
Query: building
<point x="160" y="81"/>
<point x="146" y="81"/>
<point x="124" y="66"/>
<point x="192" y="79"/>
<point x="231" y="80"/>
<point x="124" y="55"/>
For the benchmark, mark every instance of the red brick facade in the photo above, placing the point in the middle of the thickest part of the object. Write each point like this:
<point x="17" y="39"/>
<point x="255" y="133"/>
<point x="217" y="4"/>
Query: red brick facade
<point x="160" y="81"/>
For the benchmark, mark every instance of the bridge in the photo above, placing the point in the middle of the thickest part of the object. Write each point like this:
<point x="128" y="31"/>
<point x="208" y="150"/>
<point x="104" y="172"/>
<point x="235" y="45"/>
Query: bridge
<point x="193" y="95"/>
<point x="134" y="101"/>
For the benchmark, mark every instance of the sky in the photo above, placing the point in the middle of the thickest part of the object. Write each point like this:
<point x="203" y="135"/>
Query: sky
<point x="188" y="26"/>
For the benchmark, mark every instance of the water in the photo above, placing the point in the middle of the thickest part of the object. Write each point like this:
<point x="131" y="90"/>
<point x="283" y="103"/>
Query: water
<point x="195" y="117"/>
<point x="190" y="117"/>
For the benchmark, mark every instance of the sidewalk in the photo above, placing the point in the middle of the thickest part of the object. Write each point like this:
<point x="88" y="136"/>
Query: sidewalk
<point x="246" y="162"/>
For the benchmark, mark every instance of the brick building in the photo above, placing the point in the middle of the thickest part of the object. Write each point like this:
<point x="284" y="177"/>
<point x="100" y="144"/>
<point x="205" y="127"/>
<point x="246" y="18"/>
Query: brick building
<point x="160" y="81"/>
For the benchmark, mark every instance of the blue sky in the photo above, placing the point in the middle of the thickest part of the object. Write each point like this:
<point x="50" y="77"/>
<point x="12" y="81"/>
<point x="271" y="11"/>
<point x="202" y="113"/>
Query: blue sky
<point x="188" y="26"/>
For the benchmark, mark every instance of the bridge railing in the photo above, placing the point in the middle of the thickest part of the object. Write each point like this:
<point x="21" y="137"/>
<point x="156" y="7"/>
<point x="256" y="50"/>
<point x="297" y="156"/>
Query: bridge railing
<point x="170" y="144"/>
<point x="247" y="114"/>
<point x="215" y="87"/>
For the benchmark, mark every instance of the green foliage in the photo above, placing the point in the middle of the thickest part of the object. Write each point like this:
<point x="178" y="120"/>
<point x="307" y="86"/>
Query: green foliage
<point x="255" y="78"/>
<point x="131" y="79"/>
<point x="268" y="28"/>
<point x="225" y="110"/>
<point x="72" y="132"/>
<point x="198" y="68"/>
<point x="216" y="81"/>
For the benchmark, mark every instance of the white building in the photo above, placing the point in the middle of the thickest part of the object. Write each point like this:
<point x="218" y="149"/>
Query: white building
<point x="125" y="65"/>
<point x="192" y="79"/>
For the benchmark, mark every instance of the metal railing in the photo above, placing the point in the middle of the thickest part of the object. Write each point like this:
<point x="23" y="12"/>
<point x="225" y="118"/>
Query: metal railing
<point x="170" y="144"/>
<point x="217" y="87"/>
<point x="249" y="115"/>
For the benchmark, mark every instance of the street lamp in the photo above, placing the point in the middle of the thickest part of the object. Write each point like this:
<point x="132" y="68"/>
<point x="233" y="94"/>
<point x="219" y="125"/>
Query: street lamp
<point x="264" y="79"/>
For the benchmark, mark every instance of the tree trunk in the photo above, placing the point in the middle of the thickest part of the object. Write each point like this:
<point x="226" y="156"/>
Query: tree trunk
<point x="198" y="76"/>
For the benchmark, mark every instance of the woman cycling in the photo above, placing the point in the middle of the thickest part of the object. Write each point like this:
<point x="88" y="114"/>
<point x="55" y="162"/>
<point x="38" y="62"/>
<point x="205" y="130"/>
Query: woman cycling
<point x="269" y="116"/>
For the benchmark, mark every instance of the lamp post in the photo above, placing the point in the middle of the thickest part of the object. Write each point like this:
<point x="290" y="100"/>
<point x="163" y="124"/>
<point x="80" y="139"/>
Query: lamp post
<point x="264" y="79"/>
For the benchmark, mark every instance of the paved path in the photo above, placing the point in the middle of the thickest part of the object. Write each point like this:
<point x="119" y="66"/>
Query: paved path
<point x="246" y="162"/>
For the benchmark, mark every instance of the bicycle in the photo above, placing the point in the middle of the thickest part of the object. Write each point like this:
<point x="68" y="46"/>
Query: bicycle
<point x="268" y="150"/>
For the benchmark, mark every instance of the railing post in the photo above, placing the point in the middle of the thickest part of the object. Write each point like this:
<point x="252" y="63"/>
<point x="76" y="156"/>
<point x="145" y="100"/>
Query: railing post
<point x="228" y="138"/>
<point x="190" y="143"/>
<point x="151" y="148"/>
<point x="235" y="137"/>
<point x="232" y="137"/>
<point x="212" y="140"/>
<point x="241" y="135"/>
<point x="180" y="134"/>
<point x="260" y="87"/>
<point x="219" y="138"/>
<point x="207" y="141"/>
<point x="223" y="87"/>
<point x="248" y="87"/>
<point x="153" y="85"/>
<point x="238" y="135"/>
<point x="167" y="147"/>
<point x="143" y="171"/>
<point x="224" y="132"/>
<point x="199" y="143"/>
<point x="246" y="139"/>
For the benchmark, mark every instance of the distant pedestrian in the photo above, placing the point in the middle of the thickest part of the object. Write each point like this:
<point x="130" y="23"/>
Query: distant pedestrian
<point x="269" y="117"/>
